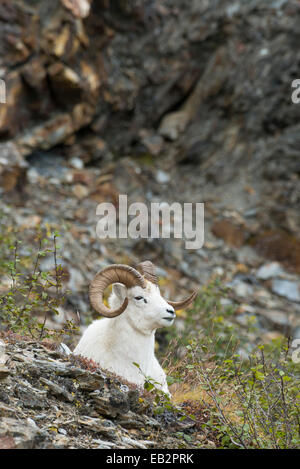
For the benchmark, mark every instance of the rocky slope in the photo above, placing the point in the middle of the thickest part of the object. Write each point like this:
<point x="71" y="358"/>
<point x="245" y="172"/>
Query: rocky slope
<point x="49" y="400"/>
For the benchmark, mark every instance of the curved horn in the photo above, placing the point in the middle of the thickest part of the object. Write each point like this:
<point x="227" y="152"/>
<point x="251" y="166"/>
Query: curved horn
<point x="116" y="273"/>
<point x="183" y="303"/>
<point x="147" y="269"/>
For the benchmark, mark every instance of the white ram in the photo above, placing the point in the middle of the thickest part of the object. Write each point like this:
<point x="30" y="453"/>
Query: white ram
<point x="127" y="334"/>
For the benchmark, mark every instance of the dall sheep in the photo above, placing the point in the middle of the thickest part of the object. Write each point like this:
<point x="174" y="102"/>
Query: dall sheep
<point x="127" y="334"/>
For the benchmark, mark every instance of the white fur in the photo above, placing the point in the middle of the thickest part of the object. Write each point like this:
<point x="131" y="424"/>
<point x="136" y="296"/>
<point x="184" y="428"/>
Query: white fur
<point x="119" y="342"/>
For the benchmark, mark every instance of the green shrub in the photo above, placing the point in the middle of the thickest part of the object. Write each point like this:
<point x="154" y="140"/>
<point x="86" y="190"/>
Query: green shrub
<point x="26" y="292"/>
<point x="254" y="402"/>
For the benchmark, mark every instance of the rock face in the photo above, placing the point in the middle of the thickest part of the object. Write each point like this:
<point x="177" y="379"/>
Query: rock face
<point x="51" y="73"/>
<point x="48" y="400"/>
<point x="206" y="82"/>
<point x="153" y="65"/>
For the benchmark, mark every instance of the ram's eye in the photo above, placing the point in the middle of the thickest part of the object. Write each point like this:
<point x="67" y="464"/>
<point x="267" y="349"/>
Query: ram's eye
<point x="140" y="298"/>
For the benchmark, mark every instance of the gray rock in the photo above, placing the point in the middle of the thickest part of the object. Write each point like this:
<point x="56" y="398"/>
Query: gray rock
<point x="57" y="390"/>
<point x="20" y="435"/>
<point x="104" y="444"/>
<point x="287" y="289"/>
<point x="76" y="280"/>
<point x="278" y="321"/>
<point x="4" y="372"/>
<point x="64" y="349"/>
<point x="243" y="289"/>
<point x="132" y="420"/>
<point x="3" y="356"/>
<point x="271" y="270"/>
<point x="91" y="381"/>
<point x="57" y="367"/>
<point x="30" y="399"/>
<point x="296" y="333"/>
<point x="76" y="163"/>
<point x="153" y="143"/>
<point x="133" y="443"/>
<point x="102" y="426"/>
<point x="162" y="177"/>
<point x="112" y="404"/>
<point x="173" y="124"/>
<point x="62" y="431"/>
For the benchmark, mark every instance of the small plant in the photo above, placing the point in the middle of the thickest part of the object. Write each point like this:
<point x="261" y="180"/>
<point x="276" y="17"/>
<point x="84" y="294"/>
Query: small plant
<point x="252" y="403"/>
<point x="27" y="293"/>
<point x="209" y="318"/>
<point x="161" y="401"/>
<point x="256" y="402"/>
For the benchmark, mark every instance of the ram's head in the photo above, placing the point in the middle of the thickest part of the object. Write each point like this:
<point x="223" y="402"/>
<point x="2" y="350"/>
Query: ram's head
<point x="135" y="293"/>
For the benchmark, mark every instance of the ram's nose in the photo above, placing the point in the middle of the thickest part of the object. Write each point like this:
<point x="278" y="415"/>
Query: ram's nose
<point x="171" y="313"/>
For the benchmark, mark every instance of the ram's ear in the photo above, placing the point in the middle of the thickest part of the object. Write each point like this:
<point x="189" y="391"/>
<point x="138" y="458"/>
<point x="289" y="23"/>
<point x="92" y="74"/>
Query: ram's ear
<point x="120" y="291"/>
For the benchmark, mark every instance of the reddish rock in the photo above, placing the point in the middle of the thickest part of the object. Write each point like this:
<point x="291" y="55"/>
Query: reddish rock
<point x="231" y="233"/>
<point x="7" y="442"/>
<point x="279" y="246"/>
<point x="12" y="166"/>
